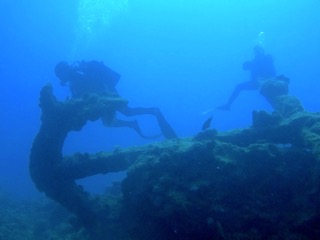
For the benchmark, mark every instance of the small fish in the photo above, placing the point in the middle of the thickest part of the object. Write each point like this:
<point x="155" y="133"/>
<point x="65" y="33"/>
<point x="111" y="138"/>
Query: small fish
<point x="207" y="124"/>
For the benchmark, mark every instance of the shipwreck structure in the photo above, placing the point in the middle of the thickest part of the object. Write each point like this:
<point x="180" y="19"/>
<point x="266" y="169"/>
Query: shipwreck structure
<point x="261" y="182"/>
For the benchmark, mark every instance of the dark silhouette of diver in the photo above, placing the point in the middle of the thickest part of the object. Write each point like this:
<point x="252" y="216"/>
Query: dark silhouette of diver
<point x="94" y="77"/>
<point x="261" y="67"/>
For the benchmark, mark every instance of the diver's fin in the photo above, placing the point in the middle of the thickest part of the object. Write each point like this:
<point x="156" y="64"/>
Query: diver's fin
<point x="135" y="126"/>
<point x="166" y="129"/>
<point x="208" y="111"/>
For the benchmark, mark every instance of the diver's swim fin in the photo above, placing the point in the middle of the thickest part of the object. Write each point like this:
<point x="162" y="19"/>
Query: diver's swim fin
<point x="166" y="129"/>
<point x="208" y="111"/>
<point x="135" y="126"/>
<point x="225" y="107"/>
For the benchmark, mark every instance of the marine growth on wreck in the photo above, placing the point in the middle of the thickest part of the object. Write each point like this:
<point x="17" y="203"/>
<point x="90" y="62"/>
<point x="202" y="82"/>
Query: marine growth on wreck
<point x="261" y="182"/>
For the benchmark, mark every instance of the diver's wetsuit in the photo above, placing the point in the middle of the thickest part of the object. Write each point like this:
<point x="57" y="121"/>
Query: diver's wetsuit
<point x="260" y="67"/>
<point x="94" y="77"/>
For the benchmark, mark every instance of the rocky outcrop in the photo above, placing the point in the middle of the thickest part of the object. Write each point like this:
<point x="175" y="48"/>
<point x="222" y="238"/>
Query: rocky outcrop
<point x="256" y="183"/>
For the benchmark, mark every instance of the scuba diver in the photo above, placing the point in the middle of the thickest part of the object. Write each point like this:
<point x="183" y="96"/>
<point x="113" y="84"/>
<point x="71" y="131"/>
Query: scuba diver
<point x="260" y="67"/>
<point x="87" y="77"/>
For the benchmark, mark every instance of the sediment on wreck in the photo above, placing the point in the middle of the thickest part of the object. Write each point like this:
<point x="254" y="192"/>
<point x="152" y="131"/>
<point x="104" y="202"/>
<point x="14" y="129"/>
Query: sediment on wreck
<point x="261" y="182"/>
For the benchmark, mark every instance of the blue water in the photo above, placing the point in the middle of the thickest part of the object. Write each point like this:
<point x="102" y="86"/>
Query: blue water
<point x="183" y="56"/>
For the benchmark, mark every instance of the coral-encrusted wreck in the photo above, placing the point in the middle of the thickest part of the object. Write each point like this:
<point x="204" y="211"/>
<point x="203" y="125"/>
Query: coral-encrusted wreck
<point x="256" y="183"/>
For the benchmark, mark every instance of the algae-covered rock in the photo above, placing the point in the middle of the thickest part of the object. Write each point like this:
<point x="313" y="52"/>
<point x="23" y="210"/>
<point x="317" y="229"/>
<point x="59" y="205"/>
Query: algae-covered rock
<point x="221" y="191"/>
<point x="35" y="220"/>
<point x="276" y="91"/>
<point x="275" y="87"/>
<point x="261" y="182"/>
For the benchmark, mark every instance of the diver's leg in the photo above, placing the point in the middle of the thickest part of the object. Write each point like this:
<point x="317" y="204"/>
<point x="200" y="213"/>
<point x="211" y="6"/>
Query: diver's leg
<point x="115" y="122"/>
<point x="249" y="85"/>
<point x="234" y="94"/>
<point x="166" y="129"/>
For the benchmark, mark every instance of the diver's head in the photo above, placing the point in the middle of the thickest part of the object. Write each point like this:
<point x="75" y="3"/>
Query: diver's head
<point x="63" y="71"/>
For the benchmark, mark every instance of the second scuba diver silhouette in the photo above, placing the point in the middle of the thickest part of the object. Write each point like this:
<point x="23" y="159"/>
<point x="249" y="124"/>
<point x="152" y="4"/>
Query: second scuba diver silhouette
<point x="94" y="77"/>
<point x="260" y="67"/>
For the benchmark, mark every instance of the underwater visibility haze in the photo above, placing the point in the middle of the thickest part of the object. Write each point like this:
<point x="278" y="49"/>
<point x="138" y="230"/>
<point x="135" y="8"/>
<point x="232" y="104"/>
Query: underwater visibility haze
<point x="181" y="60"/>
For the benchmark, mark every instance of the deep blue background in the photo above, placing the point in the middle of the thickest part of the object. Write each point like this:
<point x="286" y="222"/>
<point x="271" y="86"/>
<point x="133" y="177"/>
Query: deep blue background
<point x="183" y="56"/>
